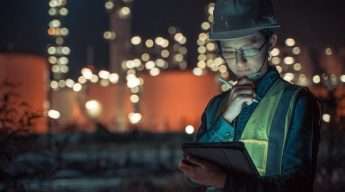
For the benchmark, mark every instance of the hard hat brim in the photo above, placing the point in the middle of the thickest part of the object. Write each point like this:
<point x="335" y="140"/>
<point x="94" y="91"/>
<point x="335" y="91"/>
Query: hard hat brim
<point x="224" y="35"/>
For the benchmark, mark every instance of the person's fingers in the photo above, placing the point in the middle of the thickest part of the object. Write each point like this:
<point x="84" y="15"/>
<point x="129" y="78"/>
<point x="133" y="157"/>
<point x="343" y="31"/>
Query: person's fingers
<point x="245" y="98"/>
<point x="243" y="91"/>
<point x="240" y="95"/>
<point x="197" y="161"/>
<point x="244" y="80"/>
<point x="185" y="167"/>
<point x="242" y="87"/>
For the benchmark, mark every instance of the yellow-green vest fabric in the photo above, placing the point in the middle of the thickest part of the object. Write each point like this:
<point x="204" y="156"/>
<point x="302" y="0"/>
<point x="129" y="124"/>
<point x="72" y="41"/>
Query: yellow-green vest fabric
<point x="256" y="134"/>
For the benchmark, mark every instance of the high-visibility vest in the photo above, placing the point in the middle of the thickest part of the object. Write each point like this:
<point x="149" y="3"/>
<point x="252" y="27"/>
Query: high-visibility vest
<point x="264" y="134"/>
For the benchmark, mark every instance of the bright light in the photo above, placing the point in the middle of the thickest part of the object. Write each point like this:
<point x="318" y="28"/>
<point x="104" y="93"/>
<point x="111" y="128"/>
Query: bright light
<point x="290" y="42"/>
<point x="136" y="40"/>
<point x="55" y="23"/>
<point x="211" y="46"/>
<point x="93" y="108"/>
<point x="94" y="78"/>
<point x="52" y="11"/>
<point x="180" y="38"/>
<point x="160" y="63"/>
<point x="189" y="129"/>
<point x="109" y="35"/>
<point x="63" y="60"/>
<point x="52" y="50"/>
<point x="134" y="98"/>
<point x="178" y="58"/>
<point x="211" y="7"/>
<point x="316" y="79"/>
<point x="328" y="51"/>
<point x="52" y="59"/>
<point x="54" y="114"/>
<point x="145" y="57"/>
<point x="87" y="73"/>
<point x="124" y="12"/>
<point x="63" y="68"/>
<point x="342" y="78"/>
<point x="276" y="60"/>
<point x="114" y="78"/>
<point x="197" y="71"/>
<point x="289" y="60"/>
<point x="103" y="74"/>
<point x="69" y="83"/>
<point x="62" y="83"/>
<point x="149" y="65"/>
<point x="297" y="66"/>
<point x="165" y="53"/>
<point x="63" y="11"/>
<point x="203" y="37"/>
<point x="275" y="52"/>
<point x="205" y="25"/>
<point x="289" y="76"/>
<point x="149" y="43"/>
<point x="64" y="31"/>
<point x="326" y="118"/>
<point x="55" y="69"/>
<point x="154" y="71"/>
<point x="132" y="81"/>
<point x="104" y="82"/>
<point x="109" y="5"/>
<point x="54" y="84"/>
<point x="82" y="80"/>
<point x="303" y="80"/>
<point x="77" y="87"/>
<point x="66" y="50"/>
<point x="296" y="50"/>
<point x="134" y="118"/>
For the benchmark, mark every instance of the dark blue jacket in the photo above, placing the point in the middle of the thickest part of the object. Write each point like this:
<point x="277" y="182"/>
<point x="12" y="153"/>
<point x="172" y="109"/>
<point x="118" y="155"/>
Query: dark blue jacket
<point x="300" y="154"/>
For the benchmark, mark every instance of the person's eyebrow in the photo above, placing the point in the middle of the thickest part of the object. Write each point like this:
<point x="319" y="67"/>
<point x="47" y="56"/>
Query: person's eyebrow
<point x="251" y="42"/>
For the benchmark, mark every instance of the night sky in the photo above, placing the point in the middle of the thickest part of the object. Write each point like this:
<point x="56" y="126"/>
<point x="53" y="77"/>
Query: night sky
<point x="24" y="23"/>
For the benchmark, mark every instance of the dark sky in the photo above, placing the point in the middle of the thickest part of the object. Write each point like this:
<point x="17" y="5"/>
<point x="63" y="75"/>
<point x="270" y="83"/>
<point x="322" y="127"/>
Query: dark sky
<point x="316" y="23"/>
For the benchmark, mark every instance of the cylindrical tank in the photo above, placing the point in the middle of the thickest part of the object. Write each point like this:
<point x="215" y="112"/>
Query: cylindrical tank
<point x="175" y="99"/>
<point x="30" y="73"/>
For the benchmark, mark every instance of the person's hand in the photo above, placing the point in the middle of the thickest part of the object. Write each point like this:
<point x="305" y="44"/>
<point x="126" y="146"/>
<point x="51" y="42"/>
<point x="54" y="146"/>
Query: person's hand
<point x="241" y="93"/>
<point x="203" y="172"/>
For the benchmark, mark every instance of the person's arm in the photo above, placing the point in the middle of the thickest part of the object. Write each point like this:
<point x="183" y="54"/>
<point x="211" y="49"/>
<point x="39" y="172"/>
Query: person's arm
<point x="299" y="158"/>
<point x="207" y="118"/>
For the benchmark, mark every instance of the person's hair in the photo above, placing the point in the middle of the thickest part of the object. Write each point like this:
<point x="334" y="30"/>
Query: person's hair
<point x="267" y="33"/>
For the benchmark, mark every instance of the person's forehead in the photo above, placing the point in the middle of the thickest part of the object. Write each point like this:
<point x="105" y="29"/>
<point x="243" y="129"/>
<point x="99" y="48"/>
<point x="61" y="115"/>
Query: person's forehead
<point x="242" y="41"/>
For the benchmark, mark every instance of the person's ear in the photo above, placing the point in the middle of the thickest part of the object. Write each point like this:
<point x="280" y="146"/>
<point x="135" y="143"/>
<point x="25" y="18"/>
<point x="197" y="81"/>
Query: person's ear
<point x="273" y="41"/>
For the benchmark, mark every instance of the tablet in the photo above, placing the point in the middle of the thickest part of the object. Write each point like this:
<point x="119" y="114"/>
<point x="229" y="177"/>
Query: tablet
<point x="231" y="156"/>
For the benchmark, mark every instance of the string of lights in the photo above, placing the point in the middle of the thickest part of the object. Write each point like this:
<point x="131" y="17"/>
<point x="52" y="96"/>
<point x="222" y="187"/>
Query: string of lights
<point x="58" y="50"/>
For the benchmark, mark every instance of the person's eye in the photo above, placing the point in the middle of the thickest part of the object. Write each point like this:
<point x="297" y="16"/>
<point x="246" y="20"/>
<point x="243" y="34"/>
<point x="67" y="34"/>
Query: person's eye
<point x="228" y="52"/>
<point x="251" y="51"/>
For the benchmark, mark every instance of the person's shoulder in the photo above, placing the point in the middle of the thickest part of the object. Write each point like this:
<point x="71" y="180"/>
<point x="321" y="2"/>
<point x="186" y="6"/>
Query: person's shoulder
<point x="215" y="101"/>
<point x="304" y="96"/>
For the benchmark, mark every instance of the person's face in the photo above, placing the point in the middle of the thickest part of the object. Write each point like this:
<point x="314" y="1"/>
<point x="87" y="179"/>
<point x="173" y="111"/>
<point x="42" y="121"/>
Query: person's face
<point x="245" y="56"/>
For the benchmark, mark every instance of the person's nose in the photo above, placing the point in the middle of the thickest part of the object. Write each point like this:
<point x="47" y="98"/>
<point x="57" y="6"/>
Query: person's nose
<point x="240" y="60"/>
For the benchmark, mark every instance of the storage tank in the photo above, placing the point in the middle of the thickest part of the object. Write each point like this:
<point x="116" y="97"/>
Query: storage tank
<point x="30" y="75"/>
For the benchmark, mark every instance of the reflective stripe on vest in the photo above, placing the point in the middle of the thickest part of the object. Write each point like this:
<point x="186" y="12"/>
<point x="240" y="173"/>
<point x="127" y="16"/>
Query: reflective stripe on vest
<point x="263" y="135"/>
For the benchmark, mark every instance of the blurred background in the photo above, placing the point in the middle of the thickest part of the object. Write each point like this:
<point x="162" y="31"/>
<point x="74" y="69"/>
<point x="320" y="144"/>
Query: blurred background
<point x="100" y="95"/>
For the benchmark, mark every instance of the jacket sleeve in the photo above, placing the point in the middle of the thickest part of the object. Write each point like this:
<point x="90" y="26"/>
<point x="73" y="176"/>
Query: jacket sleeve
<point x="299" y="158"/>
<point x="207" y="117"/>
